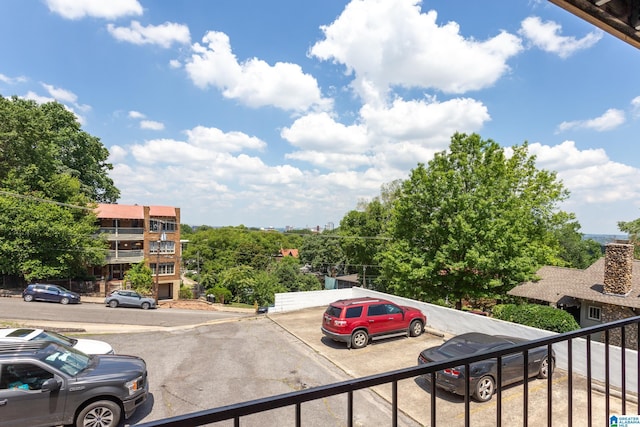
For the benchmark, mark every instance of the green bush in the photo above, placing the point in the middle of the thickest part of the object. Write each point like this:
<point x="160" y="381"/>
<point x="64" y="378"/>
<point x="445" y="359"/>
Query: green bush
<point x="536" y="316"/>
<point x="185" y="292"/>
<point x="221" y="293"/>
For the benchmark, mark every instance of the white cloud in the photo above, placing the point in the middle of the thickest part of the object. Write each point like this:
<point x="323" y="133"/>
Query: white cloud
<point x="547" y="36"/>
<point x="12" y="80"/>
<point x="611" y="119"/>
<point x="566" y="155"/>
<point x="117" y="154"/>
<point x="218" y="141"/>
<point x="61" y="95"/>
<point x="107" y="9"/>
<point x="136" y="115"/>
<point x="319" y="131"/>
<point x="164" y="35"/>
<point x="253" y="82"/>
<point x="388" y="43"/>
<point x="635" y="107"/>
<point x="151" y="125"/>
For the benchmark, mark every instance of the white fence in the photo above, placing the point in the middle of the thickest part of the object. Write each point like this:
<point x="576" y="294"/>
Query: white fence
<point x="456" y="322"/>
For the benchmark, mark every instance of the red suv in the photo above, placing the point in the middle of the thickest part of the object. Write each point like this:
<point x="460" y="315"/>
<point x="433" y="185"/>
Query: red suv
<point x="357" y="320"/>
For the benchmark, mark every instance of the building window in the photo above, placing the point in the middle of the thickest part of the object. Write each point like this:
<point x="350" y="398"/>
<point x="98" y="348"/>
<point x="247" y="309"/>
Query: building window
<point x="166" y="247"/>
<point x="159" y="225"/>
<point x="594" y="313"/>
<point x="166" y="268"/>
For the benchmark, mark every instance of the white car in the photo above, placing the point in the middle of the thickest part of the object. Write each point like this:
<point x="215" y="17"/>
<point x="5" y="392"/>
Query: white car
<point x="29" y="334"/>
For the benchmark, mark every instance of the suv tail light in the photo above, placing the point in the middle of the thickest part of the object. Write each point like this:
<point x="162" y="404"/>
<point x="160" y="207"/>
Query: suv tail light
<point x="340" y="323"/>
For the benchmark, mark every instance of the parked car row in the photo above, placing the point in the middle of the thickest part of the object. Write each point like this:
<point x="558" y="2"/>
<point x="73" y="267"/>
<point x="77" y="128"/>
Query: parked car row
<point x="56" y="293"/>
<point x="356" y="321"/>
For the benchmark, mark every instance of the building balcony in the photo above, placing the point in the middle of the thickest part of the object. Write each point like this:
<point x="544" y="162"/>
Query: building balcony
<point x="125" y="256"/>
<point x="123" y="233"/>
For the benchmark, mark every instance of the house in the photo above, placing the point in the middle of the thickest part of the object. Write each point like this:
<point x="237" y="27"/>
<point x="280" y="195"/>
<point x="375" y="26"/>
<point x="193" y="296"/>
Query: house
<point x="141" y="233"/>
<point x="607" y="290"/>
<point x="341" y="282"/>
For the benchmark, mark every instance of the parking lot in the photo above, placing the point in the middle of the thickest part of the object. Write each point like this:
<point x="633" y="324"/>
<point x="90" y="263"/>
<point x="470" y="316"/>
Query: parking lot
<point x="208" y="366"/>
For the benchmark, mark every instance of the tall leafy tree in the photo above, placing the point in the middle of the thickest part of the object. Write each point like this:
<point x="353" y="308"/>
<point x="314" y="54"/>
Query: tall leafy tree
<point x="51" y="172"/>
<point x="473" y="223"/>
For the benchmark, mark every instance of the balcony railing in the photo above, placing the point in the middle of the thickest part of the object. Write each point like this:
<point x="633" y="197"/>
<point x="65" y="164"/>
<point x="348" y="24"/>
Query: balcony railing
<point x="126" y="255"/>
<point x="123" y="233"/>
<point x="615" y="368"/>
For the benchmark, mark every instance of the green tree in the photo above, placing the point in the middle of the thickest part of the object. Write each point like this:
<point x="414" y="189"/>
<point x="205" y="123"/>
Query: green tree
<point x="39" y="143"/>
<point x="632" y="228"/>
<point x="574" y="250"/>
<point x="50" y="174"/>
<point x="141" y="278"/>
<point x="323" y="253"/>
<point x="473" y="223"/>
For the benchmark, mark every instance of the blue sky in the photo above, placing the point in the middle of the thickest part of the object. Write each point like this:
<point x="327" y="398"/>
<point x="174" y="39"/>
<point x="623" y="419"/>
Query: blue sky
<point x="288" y="113"/>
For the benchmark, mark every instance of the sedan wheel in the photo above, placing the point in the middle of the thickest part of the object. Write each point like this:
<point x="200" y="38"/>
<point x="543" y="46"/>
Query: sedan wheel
<point x="64" y="301"/>
<point x="415" y="329"/>
<point x="359" y="339"/>
<point x="113" y="303"/>
<point x="28" y="298"/>
<point x="484" y="389"/>
<point x="544" y="368"/>
<point x="145" y="305"/>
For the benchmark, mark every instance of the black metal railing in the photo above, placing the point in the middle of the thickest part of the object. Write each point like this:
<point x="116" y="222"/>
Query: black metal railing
<point x="237" y="411"/>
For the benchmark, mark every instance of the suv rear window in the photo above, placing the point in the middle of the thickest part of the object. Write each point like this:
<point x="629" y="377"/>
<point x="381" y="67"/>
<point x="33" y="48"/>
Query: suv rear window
<point x="353" y="312"/>
<point x="333" y="311"/>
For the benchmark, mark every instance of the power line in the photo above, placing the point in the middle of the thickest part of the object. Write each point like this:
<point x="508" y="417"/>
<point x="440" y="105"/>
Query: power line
<point x="38" y="199"/>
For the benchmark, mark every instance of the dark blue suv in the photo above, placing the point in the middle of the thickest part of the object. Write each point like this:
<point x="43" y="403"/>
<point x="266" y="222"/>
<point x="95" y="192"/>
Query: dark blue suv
<point x="51" y="293"/>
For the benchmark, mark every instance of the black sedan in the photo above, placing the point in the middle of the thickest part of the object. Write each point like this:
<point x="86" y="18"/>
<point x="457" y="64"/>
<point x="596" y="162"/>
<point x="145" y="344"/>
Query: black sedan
<point x="482" y="381"/>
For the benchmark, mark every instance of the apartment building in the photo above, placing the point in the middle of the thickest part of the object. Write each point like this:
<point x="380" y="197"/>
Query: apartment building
<point x="141" y="233"/>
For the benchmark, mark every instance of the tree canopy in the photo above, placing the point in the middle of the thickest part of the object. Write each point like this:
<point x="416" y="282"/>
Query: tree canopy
<point x="51" y="172"/>
<point x="472" y="223"/>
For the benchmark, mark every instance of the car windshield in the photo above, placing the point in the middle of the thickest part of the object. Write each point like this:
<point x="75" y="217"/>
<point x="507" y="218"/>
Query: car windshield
<point x="65" y="359"/>
<point x="55" y="337"/>
<point x="61" y="289"/>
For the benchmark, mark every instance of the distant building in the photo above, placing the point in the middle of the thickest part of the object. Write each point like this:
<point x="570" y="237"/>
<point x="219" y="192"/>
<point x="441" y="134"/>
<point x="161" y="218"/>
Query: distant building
<point x="141" y="233"/>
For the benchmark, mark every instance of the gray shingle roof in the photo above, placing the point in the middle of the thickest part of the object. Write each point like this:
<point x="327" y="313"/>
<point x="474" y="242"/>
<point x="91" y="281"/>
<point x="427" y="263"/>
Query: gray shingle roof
<point x="559" y="285"/>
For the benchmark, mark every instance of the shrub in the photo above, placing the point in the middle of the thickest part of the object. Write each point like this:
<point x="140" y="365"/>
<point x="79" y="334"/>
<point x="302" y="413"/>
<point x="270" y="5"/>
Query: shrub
<point x="536" y="316"/>
<point x="185" y="292"/>
<point x="221" y="293"/>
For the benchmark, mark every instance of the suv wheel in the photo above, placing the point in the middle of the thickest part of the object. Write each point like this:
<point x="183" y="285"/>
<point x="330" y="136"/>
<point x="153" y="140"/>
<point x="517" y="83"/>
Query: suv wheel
<point x="415" y="329"/>
<point x="28" y="298"/>
<point x="103" y="413"/>
<point x="359" y="339"/>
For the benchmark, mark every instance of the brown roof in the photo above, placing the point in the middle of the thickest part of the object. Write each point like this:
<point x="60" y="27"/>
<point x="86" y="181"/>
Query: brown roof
<point x="289" y="252"/>
<point x="559" y="285"/>
<point x="115" y="211"/>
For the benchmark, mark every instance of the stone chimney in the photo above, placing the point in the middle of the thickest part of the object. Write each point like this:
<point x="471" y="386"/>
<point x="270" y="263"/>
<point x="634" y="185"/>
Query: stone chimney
<point x="618" y="265"/>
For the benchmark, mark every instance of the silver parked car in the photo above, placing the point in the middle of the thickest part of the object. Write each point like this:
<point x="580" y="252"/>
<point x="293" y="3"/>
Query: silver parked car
<point x="127" y="298"/>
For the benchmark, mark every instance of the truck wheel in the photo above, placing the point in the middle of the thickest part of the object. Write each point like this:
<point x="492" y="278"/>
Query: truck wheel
<point x="103" y="413"/>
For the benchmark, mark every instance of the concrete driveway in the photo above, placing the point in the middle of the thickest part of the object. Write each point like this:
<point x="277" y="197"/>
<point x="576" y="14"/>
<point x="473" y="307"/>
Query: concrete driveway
<point x="414" y="394"/>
